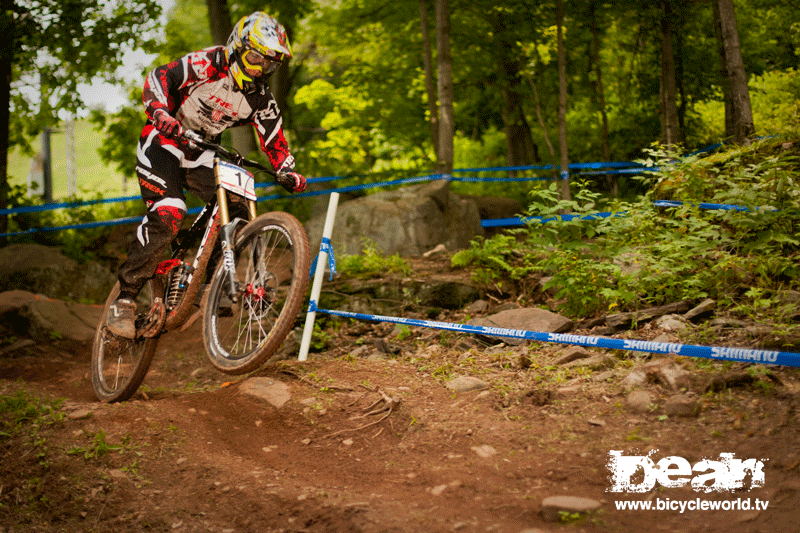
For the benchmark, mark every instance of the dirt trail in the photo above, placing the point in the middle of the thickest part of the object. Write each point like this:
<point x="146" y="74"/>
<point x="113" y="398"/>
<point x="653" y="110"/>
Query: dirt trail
<point x="190" y="452"/>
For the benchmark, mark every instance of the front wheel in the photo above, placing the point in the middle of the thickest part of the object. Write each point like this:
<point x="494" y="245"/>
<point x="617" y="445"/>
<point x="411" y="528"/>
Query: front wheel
<point x="119" y="365"/>
<point x="272" y="261"/>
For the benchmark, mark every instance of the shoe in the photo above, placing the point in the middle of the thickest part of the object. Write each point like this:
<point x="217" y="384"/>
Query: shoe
<point x="120" y="318"/>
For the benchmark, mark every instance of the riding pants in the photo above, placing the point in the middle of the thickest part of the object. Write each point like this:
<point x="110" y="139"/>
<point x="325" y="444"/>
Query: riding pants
<point x="164" y="170"/>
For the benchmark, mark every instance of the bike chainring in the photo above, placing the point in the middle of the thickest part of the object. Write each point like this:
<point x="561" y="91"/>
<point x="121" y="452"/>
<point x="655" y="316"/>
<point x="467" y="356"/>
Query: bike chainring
<point x="150" y="325"/>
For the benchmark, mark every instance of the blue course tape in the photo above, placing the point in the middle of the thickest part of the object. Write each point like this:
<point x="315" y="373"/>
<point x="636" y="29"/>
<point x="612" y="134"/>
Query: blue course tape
<point x="325" y="246"/>
<point x="517" y="221"/>
<point x="702" y="205"/>
<point x="84" y="225"/>
<point x="742" y="355"/>
<point x="62" y="205"/>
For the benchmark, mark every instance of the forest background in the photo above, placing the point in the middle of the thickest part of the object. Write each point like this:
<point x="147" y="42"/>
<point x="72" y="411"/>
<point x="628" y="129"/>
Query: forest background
<point x="357" y="96"/>
<point x="368" y="95"/>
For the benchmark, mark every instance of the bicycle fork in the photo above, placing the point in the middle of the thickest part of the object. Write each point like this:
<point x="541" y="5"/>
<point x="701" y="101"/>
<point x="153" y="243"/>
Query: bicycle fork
<point x="228" y="232"/>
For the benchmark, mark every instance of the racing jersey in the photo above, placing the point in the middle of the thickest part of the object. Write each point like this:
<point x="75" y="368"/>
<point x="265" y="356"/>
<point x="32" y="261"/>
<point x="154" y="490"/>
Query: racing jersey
<point x="198" y="91"/>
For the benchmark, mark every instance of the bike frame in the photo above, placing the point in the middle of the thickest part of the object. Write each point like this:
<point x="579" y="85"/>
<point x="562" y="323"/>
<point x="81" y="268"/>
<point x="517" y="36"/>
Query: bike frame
<point x="215" y="218"/>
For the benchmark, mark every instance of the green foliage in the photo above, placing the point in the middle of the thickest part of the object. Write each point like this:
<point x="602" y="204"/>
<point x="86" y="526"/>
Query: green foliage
<point x="647" y="255"/>
<point x="23" y="411"/>
<point x="63" y="43"/>
<point x="495" y="261"/>
<point x="98" y="447"/>
<point x="371" y="264"/>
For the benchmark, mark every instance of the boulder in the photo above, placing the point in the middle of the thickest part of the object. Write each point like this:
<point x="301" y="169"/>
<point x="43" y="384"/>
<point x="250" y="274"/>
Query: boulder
<point x="45" y="270"/>
<point x="528" y="319"/>
<point x="409" y="221"/>
<point x="38" y="317"/>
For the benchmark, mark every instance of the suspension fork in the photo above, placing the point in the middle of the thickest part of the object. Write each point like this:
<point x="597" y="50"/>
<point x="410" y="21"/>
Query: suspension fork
<point x="228" y="232"/>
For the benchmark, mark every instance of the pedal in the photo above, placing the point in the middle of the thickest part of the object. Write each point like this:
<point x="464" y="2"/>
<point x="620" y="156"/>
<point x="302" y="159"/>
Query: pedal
<point x="154" y="321"/>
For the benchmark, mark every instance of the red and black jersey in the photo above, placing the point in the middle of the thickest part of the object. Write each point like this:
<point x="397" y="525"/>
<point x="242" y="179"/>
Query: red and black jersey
<point x="198" y="91"/>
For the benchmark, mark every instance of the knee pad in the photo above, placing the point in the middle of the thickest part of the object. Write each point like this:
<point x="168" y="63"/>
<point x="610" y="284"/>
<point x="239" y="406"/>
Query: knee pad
<point x="171" y="212"/>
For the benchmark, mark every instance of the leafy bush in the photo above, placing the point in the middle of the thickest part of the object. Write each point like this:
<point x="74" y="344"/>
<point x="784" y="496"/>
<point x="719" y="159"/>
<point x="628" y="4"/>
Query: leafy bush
<point x="371" y="264"/>
<point x="637" y="254"/>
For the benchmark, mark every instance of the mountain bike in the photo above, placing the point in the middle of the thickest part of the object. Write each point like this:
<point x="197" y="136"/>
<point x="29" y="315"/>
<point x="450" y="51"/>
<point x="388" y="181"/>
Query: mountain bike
<point x="249" y="303"/>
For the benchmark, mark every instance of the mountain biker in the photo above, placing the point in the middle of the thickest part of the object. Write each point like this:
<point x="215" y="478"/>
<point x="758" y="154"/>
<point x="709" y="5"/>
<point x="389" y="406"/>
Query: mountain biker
<point x="207" y="91"/>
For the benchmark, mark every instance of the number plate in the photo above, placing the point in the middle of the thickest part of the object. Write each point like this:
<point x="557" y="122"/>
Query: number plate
<point x="237" y="180"/>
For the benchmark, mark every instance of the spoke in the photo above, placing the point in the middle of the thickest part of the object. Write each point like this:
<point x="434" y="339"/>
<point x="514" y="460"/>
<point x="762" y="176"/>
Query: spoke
<point x="261" y="262"/>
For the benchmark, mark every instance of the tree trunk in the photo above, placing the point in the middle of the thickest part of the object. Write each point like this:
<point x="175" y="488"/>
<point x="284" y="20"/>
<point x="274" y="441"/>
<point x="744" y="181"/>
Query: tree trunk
<point x="723" y="73"/>
<point x="520" y="148"/>
<point x="445" y="88"/>
<point x="430" y="85"/>
<point x="742" y="114"/>
<point x="668" y="109"/>
<point x="6" y="60"/>
<point x="562" y="102"/>
<point x="611" y="181"/>
<point x="219" y="19"/>
<point x="538" y="106"/>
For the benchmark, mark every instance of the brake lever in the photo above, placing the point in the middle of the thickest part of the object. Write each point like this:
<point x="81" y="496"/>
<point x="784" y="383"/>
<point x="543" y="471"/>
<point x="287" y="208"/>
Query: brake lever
<point x="192" y="138"/>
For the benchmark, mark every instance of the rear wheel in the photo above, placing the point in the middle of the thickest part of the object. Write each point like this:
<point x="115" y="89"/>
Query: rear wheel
<point x="272" y="261"/>
<point x="119" y="365"/>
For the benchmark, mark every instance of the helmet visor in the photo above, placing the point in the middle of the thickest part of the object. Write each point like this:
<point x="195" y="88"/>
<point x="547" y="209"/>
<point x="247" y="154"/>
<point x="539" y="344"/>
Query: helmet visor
<point x="255" y="61"/>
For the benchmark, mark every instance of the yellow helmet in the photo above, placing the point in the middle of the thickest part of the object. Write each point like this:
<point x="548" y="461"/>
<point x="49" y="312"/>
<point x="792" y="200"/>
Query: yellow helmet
<point x="258" y="43"/>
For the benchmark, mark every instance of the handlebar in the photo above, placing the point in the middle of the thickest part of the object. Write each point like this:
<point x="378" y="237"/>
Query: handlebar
<point x="195" y="140"/>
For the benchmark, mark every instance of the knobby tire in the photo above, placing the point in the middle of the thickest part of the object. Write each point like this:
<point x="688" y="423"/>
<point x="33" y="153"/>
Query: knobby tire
<point x="119" y="365"/>
<point x="272" y="261"/>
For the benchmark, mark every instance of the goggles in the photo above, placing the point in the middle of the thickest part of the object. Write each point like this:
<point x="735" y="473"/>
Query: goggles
<point x="268" y="65"/>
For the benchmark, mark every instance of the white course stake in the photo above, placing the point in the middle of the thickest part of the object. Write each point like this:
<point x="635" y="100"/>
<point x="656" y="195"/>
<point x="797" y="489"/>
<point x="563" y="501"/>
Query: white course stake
<point x="316" y="287"/>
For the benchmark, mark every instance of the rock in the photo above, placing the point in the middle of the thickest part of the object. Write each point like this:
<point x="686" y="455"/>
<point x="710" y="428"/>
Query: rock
<point x="361" y="351"/>
<point x="466" y="384"/>
<point x="477" y="307"/>
<point x="604" y="376"/>
<point x="528" y="319"/>
<point x="681" y="405"/>
<point x="409" y="221"/>
<point x="484" y="451"/>
<point x="79" y="414"/>
<point x="271" y="391"/>
<point x="445" y="293"/>
<point x="670" y="323"/>
<point x="555" y="507"/>
<point x="44" y="269"/>
<point x="723" y="322"/>
<point x="702" y="311"/>
<point x="789" y="297"/>
<point x="639" y="401"/>
<point x="571" y="354"/>
<point x="550" y="291"/>
<point x="664" y="372"/>
<point x="366" y="296"/>
<point x="43" y="319"/>
<point x="626" y="320"/>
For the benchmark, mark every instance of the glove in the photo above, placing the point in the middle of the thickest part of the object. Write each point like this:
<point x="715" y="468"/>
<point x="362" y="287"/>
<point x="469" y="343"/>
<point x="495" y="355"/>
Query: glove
<point x="291" y="181"/>
<point x="166" y="123"/>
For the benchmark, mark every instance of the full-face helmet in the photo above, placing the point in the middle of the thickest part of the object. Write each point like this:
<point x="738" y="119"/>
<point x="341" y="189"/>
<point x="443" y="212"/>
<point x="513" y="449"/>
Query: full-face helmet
<point x="256" y="48"/>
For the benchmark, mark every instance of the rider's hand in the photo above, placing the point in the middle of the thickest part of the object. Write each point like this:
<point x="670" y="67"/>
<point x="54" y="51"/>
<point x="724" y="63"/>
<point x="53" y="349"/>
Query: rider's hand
<point x="291" y="181"/>
<point x="166" y="123"/>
